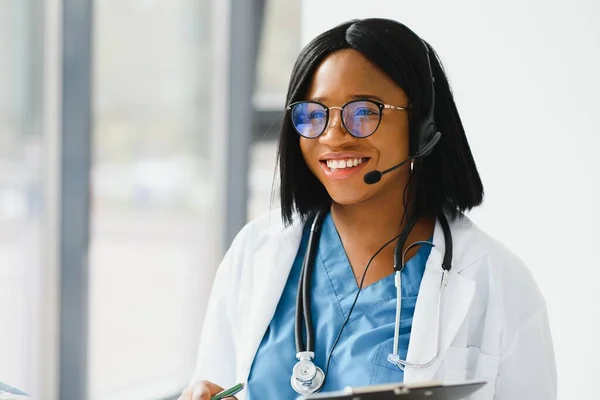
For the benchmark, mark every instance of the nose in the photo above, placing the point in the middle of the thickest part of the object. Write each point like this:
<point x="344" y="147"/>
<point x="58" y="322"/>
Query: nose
<point x="335" y="134"/>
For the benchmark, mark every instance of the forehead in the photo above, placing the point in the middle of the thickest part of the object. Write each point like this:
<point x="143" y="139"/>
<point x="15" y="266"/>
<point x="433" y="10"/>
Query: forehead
<point x="347" y="73"/>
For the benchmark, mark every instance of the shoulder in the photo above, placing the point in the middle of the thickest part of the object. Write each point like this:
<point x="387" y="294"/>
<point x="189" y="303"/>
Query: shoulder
<point x="508" y="281"/>
<point x="472" y="244"/>
<point x="267" y="230"/>
<point x="264" y="227"/>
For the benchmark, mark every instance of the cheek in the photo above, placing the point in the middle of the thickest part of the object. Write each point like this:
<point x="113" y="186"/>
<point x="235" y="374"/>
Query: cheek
<point x="304" y="144"/>
<point x="392" y="145"/>
<point x="307" y="147"/>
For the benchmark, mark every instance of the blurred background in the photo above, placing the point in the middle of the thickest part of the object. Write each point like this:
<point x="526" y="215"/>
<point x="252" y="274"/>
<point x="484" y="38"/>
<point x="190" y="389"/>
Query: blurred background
<point x="138" y="136"/>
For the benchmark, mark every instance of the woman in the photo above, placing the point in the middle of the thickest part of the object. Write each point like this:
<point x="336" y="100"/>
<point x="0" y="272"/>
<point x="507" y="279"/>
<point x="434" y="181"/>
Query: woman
<point x="364" y="97"/>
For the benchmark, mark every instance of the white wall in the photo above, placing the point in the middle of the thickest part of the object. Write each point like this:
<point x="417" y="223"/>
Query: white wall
<point x="525" y="75"/>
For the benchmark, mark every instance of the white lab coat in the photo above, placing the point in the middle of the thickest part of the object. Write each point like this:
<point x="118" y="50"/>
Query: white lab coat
<point x="494" y="320"/>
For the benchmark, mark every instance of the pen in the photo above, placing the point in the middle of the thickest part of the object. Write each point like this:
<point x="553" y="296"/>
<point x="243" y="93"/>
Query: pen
<point x="229" y="392"/>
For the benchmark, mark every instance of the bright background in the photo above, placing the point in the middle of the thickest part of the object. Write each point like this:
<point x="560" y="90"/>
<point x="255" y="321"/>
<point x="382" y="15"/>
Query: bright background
<point x="176" y="166"/>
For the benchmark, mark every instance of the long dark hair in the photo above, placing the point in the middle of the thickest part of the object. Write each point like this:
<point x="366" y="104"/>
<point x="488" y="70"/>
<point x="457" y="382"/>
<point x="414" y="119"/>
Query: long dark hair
<point x="447" y="179"/>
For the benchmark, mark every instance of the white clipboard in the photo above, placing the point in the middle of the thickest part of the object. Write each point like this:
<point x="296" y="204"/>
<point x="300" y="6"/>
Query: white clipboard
<point x="427" y="391"/>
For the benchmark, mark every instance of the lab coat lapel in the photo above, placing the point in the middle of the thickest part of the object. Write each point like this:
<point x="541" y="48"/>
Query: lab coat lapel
<point x="456" y="299"/>
<point x="271" y="265"/>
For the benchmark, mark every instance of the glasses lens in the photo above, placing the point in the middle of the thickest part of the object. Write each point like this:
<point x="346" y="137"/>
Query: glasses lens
<point x="309" y="119"/>
<point x="361" y="118"/>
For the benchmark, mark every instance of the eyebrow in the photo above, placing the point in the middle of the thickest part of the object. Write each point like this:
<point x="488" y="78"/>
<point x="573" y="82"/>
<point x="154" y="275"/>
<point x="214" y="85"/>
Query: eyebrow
<point x="359" y="96"/>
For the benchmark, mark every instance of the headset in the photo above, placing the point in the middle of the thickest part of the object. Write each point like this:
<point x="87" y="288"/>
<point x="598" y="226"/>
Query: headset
<point x="427" y="134"/>
<point x="307" y="377"/>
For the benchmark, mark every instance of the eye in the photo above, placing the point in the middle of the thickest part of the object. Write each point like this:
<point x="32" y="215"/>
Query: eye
<point x="317" y="114"/>
<point x="364" y="112"/>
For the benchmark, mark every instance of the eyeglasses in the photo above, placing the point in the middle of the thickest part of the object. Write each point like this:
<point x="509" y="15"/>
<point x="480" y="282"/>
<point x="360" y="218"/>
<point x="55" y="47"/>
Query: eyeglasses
<point x="360" y="118"/>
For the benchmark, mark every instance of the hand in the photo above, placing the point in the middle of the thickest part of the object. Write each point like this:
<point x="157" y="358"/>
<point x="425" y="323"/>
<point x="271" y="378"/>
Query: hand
<point x="201" y="390"/>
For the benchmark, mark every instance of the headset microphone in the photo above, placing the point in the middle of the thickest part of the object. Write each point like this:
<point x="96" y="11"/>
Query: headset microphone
<point x="376" y="175"/>
<point x="427" y="133"/>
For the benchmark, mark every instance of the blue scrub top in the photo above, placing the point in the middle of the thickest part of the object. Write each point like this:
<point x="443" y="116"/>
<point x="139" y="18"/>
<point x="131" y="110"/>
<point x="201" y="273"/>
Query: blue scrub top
<point x="360" y="357"/>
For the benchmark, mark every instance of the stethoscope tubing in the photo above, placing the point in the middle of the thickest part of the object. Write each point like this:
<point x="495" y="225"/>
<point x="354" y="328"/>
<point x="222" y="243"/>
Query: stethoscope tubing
<point x="303" y="307"/>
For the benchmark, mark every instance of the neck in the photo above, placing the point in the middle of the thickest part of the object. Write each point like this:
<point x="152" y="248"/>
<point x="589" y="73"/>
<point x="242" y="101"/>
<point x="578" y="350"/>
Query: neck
<point x="377" y="221"/>
<point x="369" y="221"/>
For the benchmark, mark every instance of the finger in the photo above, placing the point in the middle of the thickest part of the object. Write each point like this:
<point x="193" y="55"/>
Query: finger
<point x="186" y="394"/>
<point x="201" y="392"/>
<point x="204" y="390"/>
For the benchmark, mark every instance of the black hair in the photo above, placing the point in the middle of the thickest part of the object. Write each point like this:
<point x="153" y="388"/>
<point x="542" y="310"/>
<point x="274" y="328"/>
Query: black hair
<point x="445" y="180"/>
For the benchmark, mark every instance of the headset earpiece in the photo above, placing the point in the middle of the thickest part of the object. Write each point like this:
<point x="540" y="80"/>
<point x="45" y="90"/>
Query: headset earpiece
<point x="428" y="148"/>
<point x="428" y="135"/>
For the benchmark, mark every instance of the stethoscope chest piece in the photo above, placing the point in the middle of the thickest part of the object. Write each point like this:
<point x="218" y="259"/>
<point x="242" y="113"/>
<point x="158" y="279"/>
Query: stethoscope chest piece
<point x="307" y="378"/>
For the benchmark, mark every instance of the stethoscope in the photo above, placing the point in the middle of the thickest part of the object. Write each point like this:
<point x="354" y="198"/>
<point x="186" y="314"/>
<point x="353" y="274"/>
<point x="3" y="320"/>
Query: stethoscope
<point x="307" y="377"/>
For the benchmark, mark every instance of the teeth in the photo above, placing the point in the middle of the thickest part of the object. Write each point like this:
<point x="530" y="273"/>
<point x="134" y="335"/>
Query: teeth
<point x="347" y="163"/>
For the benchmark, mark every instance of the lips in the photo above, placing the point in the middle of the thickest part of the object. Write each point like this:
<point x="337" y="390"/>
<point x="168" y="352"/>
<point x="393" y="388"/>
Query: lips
<point x="342" y="166"/>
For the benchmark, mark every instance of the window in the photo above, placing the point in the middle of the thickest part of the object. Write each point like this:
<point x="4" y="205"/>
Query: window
<point x="279" y="47"/>
<point x="152" y="252"/>
<point x="21" y="194"/>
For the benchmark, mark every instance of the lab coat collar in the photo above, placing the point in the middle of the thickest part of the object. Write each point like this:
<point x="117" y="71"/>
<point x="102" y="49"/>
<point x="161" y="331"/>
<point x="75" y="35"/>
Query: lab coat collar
<point x="455" y="302"/>
<point x="271" y="266"/>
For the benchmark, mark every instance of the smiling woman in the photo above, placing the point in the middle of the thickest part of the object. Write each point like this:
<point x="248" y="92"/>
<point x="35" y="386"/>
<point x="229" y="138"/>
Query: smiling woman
<point x="338" y="80"/>
<point x="373" y="152"/>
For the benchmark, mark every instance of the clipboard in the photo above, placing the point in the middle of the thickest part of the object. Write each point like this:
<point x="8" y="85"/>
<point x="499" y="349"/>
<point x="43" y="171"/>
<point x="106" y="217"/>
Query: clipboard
<point x="399" y="391"/>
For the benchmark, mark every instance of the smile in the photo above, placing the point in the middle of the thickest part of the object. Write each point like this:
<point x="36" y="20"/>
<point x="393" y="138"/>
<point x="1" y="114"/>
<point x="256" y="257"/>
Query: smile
<point x="344" y="163"/>
<point x="343" y="168"/>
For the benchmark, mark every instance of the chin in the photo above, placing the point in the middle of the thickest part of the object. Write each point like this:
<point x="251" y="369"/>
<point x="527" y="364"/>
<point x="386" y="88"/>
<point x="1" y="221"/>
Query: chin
<point x="347" y="199"/>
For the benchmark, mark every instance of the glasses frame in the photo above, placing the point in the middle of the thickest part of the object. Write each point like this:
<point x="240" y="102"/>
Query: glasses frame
<point x="382" y="106"/>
